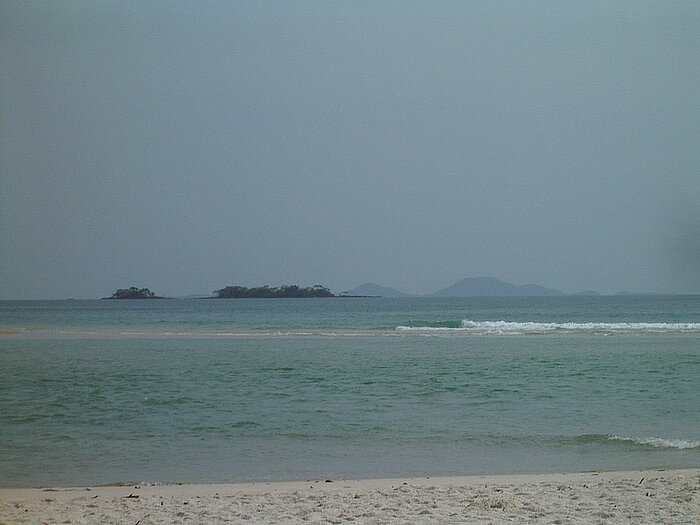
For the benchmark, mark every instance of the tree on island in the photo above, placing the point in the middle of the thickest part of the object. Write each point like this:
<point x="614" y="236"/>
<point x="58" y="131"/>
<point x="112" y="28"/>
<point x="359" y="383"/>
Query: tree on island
<point x="266" y="292"/>
<point x="133" y="293"/>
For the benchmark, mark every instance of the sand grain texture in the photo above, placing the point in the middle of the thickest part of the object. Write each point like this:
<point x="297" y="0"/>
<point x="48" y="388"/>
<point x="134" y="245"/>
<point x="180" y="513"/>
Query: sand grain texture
<point x="649" y="497"/>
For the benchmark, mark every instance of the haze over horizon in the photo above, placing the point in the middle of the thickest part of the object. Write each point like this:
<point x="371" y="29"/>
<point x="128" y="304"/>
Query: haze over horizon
<point x="187" y="146"/>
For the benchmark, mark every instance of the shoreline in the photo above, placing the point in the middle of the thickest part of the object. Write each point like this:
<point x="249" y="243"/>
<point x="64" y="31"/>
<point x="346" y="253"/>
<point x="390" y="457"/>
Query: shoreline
<point x="657" y="495"/>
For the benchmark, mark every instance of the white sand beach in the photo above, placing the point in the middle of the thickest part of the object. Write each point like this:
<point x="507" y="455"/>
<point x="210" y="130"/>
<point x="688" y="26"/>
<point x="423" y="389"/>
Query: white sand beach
<point x="648" y="496"/>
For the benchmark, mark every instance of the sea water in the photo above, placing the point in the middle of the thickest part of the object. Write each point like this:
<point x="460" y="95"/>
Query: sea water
<point x="213" y="390"/>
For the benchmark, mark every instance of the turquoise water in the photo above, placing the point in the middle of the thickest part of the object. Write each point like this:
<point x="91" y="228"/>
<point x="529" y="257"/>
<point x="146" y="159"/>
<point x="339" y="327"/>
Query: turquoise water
<point x="232" y="390"/>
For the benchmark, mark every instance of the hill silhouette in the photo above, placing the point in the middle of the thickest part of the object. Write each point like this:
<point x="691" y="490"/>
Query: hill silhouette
<point x="492" y="287"/>
<point x="373" y="289"/>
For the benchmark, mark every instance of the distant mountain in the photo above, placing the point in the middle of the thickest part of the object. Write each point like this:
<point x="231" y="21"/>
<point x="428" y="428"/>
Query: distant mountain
<point x="491" y="287"/>
<point x="376" y="290"/>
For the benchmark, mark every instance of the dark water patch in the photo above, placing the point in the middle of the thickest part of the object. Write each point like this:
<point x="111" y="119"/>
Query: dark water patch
<point x="170" y="401"/>
<point x="208" y="428"/>
<point x="31" y="418"/>
<point x="314" y="379"/>
<point x="244" y="424"/>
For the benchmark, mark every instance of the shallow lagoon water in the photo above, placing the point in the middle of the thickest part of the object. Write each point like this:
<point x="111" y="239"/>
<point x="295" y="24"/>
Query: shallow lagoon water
<point x="216" y="391"/>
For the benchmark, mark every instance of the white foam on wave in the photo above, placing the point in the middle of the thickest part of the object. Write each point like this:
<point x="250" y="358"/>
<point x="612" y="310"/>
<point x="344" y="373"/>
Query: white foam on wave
<point x="515" y="328"/>
<point x="658" y="442"/>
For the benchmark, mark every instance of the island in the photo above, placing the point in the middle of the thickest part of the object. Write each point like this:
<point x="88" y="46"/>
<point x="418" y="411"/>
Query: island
<point x="492" y="287"/>
<point x="375" y="290"/>
<point x="133" y="293"/>
<point x="266" y="292"/>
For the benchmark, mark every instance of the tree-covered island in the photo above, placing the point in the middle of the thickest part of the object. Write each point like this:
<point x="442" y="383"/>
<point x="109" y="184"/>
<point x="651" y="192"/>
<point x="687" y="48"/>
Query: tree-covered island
<point x="266" y="292"/>
<point x="133" y="293"/>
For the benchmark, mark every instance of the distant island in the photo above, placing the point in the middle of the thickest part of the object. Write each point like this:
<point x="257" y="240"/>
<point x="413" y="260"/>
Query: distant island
<point x="468" y="287"/>
<point x="133" y="293"/>
<point x="482" y="287"/>
<point x="266" y="292"/>
<point x="375" y="290"/>
<point x="471" y="287"/>
<point x="492" y="287"/>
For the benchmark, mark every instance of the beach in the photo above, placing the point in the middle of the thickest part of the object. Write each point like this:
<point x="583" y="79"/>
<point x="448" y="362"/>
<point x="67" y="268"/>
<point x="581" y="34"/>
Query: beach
<point x="644" y="496"/>
<point x="342" y="262"/>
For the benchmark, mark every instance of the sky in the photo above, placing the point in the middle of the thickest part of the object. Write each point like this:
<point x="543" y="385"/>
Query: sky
<point x="187" y="146"/>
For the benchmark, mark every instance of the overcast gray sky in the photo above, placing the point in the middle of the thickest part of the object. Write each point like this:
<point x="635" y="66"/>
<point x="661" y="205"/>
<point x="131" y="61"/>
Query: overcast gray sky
<point x="185" y="146"/>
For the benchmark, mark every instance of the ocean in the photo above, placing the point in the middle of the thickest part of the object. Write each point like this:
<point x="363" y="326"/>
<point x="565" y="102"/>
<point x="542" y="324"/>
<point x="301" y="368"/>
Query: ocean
<point x="210" y="390"/>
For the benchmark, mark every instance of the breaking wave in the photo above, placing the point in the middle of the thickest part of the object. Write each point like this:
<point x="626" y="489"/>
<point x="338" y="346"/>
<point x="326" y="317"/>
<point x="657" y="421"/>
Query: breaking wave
<point x="518" y="328"/>
<point x="587" y="439"/>
<point x="658" y="442"/>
